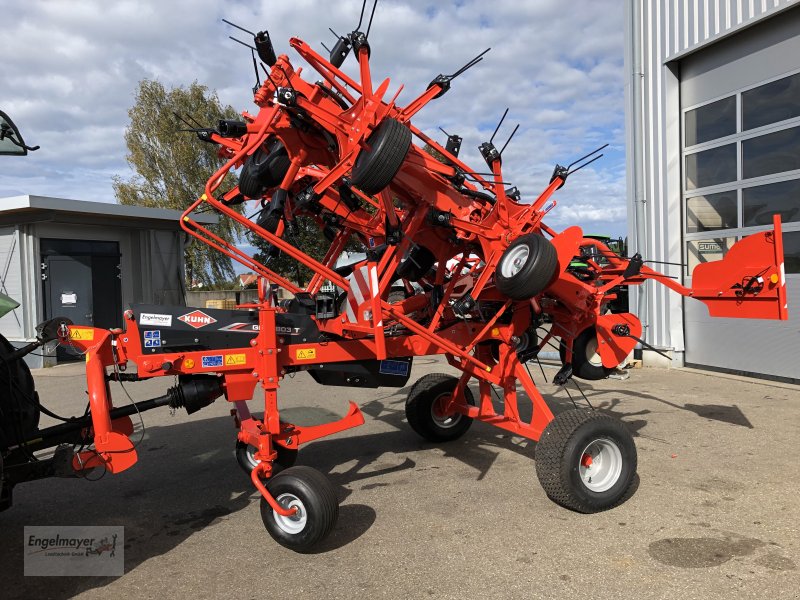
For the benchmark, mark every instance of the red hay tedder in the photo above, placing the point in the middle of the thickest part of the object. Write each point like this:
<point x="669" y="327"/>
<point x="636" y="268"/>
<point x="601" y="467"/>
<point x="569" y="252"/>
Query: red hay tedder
<point x="486" y="283"/>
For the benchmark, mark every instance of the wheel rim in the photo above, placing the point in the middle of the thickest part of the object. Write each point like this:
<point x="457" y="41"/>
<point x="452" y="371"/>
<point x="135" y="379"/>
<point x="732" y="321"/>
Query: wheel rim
<point x="514" y="261"/>
<point x="250" y="456"/>
<point x="592" y="355"/>
<point x="440" y="417"/>
<point x="600" y="465"/>
<point x="295" y="523"/>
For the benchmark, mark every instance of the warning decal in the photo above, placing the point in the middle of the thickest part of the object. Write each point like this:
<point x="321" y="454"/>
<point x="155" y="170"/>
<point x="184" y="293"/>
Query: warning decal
<point x="235" y="359"/>
<point x="83" y="335"/>
<point x="306" y="354"/>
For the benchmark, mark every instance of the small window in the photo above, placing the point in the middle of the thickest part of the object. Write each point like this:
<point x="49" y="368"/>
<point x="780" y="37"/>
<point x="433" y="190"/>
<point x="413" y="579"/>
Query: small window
<point x="702" y="251"/>
<point x="771" y="102"/>
<point x="714" y="211"/>
<point x="711" y="167"/>
<point x="791" y="251"/>
<point x="772" y="153"/>
<point x="711" y="122"/>
<point x="761" y="202"/>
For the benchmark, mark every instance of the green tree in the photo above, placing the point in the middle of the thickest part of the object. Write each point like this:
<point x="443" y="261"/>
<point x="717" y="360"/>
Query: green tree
<point x="171" y="168"/>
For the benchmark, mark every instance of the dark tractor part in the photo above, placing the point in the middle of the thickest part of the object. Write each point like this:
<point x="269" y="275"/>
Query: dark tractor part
<point x="439" y="218"/>
<point x="340" y="51"/>
<point x="586" y="461"/>
<point x="586" y="362"/>
<point x="424" y="408"/>
<point x="453" y="144"/>
<point x="514" y="194"/>
<point x="464" y="306"/>
<point x="333" y="95"/>
<point x="416" y="264"/>
<point x="489" y="153"/>
<point x="326" y="306"/>
<point x="347" y="196"/>
<point x="527" y="267"/>
<point x="246" y="457"/>
<point x="273" y="212"/>
<point x="19" y="402"/>
<point x="368" y="373"/>
<point x="194" y="392"/>
<point x="49" y="330"/>
<point x="264" y="48"/>
<point x="563" y="376"/>
<point x="264" y="169"/>
<point x="376" y="166"/>
<point x="314" y="497"/>
<point x="229" y="128"/>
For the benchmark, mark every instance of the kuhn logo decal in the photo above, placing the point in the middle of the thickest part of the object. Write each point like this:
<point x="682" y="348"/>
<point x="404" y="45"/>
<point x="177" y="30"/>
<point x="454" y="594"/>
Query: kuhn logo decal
<point x="197" y="319"/>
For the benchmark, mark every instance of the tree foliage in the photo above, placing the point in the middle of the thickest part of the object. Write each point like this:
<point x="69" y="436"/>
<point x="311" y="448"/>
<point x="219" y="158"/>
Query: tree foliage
<point x="171" y="167"/>
<point x="307" y="237"/>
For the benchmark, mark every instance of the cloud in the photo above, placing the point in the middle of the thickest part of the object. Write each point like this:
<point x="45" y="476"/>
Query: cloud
<point x="70" y="70"/>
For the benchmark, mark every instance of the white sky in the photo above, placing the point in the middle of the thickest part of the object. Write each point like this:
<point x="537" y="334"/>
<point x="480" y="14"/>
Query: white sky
<point x="69" y="70"/>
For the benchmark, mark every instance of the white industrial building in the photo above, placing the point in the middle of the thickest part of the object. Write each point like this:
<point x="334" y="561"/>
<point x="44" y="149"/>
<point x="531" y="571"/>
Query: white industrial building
<point x="713" y="138"/>
<point x="86" y="261"/>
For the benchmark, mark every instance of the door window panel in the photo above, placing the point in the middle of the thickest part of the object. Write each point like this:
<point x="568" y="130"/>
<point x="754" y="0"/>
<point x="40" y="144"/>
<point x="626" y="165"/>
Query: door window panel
<point x="711" y="122"/>
<point x="713" y="211"/>
<point x="772" y="153"/>
<point x="761" y="202"/>
<point x="711" y="167"/>
<point x="771" y="102"/>
<point x="791" y="251"/>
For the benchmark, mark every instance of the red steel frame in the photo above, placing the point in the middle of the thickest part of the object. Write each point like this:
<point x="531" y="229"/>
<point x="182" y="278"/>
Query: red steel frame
<point x="749" y="282"/>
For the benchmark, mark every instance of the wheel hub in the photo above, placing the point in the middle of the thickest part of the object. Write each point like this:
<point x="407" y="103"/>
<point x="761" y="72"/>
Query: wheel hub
<point x="600" y="465"/>
<point x="441" y="416"/>
<point x="295" y="523"/>
<point x="515" y="260"/>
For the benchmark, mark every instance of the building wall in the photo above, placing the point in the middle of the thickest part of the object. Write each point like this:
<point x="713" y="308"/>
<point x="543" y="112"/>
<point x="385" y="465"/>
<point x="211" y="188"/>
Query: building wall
<point x="658" y="35"/>
<point x="151" y="267"/>
<point x="12" y="325"/>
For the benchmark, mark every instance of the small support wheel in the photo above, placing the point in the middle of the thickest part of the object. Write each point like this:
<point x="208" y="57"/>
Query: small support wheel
<point x="586" y="461"/>
<point x="586" y="362"/>
<point x="314" y="497"/>
<point x="376" y="165"/>
<point x="526" y="267"/>
<point x="426" y="408"/>
<point x="245" y="456"/>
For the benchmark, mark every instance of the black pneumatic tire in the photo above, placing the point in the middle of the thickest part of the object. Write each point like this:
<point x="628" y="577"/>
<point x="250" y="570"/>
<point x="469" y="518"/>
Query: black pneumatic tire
<point x="375" y="167"/>
<point x="527" y="267"/>
<point x="244" y="456"/>
<point x="19" y="402"/>
<point x="420" y="408"/>
<point x="314" y="494"/>
<point x="264" y="169"/>
<point x="561" y="463"/>
<point x="584" y="357"/>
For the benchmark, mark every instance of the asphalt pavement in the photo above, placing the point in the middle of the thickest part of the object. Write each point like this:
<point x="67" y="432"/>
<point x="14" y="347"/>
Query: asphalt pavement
<point x="714" y="513"/>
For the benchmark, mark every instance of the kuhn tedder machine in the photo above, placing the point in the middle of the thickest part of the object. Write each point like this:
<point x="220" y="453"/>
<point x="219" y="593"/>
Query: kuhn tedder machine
<point x="487" y="284"/>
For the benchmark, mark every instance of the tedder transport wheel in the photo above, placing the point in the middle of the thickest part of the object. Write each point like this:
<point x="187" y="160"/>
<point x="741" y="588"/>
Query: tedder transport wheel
<point x="424" y="408"/>
<point x="245" y="456"/>
<point x="586" y="362"/>
<point x="527" y="267"/>
<point x="264" y="169"/>
<point x="585" y="460"/>
<point x="376" y="165"/>
<point x="317" y="508"/>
